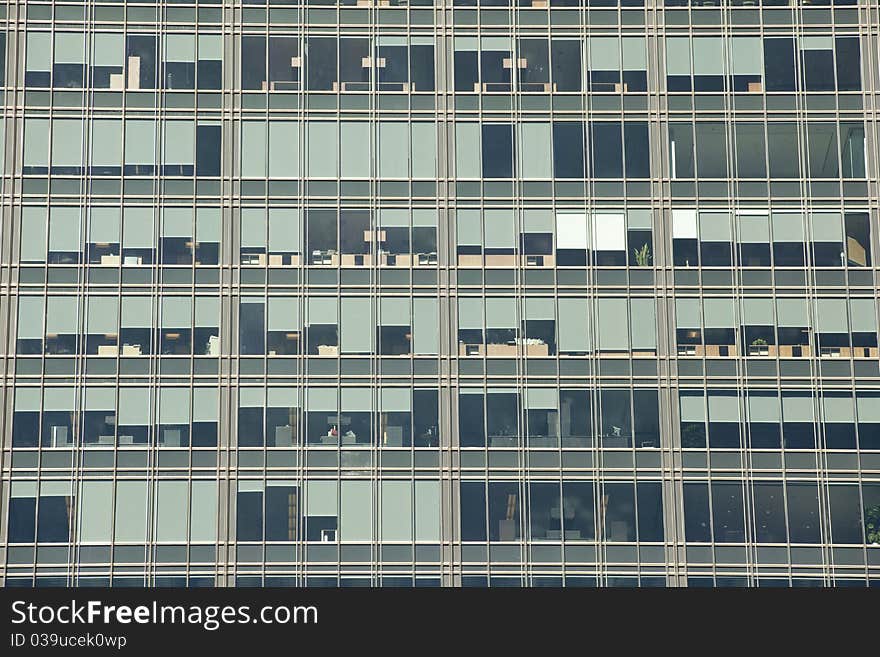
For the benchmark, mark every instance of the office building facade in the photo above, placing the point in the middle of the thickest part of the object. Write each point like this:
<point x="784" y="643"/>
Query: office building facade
<point x="463" y="293"/>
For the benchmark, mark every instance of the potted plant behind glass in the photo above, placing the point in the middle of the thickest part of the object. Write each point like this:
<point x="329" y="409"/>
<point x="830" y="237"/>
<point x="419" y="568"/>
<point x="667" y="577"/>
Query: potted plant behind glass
<point x="642" y="256"/>
<point x="759" y="347"/>
<point x="872" y="525"/>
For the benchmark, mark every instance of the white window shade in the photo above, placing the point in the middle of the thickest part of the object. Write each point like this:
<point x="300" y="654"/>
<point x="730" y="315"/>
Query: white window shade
<point x="719" y="312"/>
<point x="746" y="53"/>
<point x="574" y="325"/>
<point x="253" y="149"/>
<point x="501" y="312"/>
<point x="284" y="149"/>
<point x="708" y="55"/>
<point x="837" y="408"/>
<point x="427" y="504"/>
<point x="635" y="54"/>
<point x="355" y="143"/>
<point x="470" y="313"/>
<point x="105" y="224"/>
<point x="537" y="221"/>
<point x="205" y="402"/>
<point x="643" y="320"/>
<point x="684" y="224"/>
<point x="356" y="511"/>
<point x="792" y="312"/>
<point x="174" y="406"/>
<point x="102" y="315"/>
<point x="863" y="315"/>
<point x="831" y="315"/>
<point x="469" y="229"/>
<point x="757" y="311"/>
<point x="30" y="318"/>
<point x="826" y="226"/>
<point x="134" y="406"/>
<point x="754" y="228"/>
<point x="798" y="407"/>
<point x="678" y="56"/>
<point x="692" y="407"/>
<point x="180" y="142"/>
<point x="395" y="400"/>
<point x="253" y="227"/>
<point x="62" y="315"/>
<point x="764" y="407"/>
<point x="140" y="141"/>
<point x="177" y="222"/>
<point x="64" y="228"/>
<point x="535" y="140"/>
<point x="39" y="51"/>
<point x="322" y="498"/>
<point x="687" y="313"/>
<point x="283" y="314"/>
<point x="208" y="222"/>
<point x="604" y="53"/>
<point x="107" y="143"/>
<point x="176" y="312"/>
<point x="70" y="48"/>
<point x="723" y="407"/>
<point x="613" y="321"/>
<point x="323" y="310"/>
<point x="499" y="229"/>
<point x="467" y="150"/>
<point x="323" y="149"/>
<point x="571" y="231"/>
<point x="609" y="232"/>
<point x="67" y="142"/>
<point x="396" y="511"/>
<point x="210" y="46"/>
<point x="426" y="326"/>
<point x="787" y="227"/>
<point x="285" y="230"/>
<point x="394" y="311"/>
<point x="171" y="510"/>
<point x="714" y="227"/>
<point x="180" y="47"/>
<point x="868" y="407"/>
<point x="137" y="312"/>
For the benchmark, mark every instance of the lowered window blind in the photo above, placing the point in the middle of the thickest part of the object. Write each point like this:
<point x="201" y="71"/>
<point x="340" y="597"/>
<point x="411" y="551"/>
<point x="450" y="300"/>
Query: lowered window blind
<point x="102" y="317"/>
<point x="534" y="148"/>
<point x="426" y="326"/>
<point x="107" y="143"/>
<point x="574" y="325"/>
<point x="764" y="407"/>
<point x="692" y="406"/>
<point x="571" y="231"/>
<point x="284" y="314"/>
<point x="105" y="225"/>
<point x="323" y="144"/>
<point x="356" y="326"/>
<point x="612" y="319"/>
<point x="355" y="145"/>
<point x="134" y="406"/>
<point x="356" y="511"/>
<point x="62" y="315"/>
<point x="396" y="511"/>
<point x="174" y="406"/>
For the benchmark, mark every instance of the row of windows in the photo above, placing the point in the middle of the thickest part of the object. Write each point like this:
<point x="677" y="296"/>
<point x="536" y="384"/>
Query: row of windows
<point x="181" y="511"/>
<point x="43" y="12"/>
<point x="401" y="63"/>
<point x="406" y="511"/>
<point x="406" y="581"/>
<point x="399" y="417"/>
<point x="498" y="326"/>
<point x="562" y="149"/>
